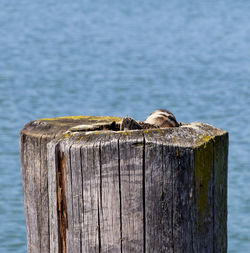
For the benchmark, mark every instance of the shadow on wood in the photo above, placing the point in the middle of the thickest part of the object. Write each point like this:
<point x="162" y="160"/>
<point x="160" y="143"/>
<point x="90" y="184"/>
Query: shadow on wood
<point x="89" y="187"/>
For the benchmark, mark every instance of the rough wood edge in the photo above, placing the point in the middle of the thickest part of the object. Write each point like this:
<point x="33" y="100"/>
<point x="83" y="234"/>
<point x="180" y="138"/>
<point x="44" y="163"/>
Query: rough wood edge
<point x="203" y="140"/>
<point x="61" y="201"/>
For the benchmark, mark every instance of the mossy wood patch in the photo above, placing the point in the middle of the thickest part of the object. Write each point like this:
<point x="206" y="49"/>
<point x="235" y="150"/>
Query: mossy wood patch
<point x="89" y="187"/>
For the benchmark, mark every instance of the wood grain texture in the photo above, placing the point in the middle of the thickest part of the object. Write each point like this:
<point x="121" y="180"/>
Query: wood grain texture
<point x="204" y="197"/>
<point x="109" y="195"/>
<point x="45" y="239"/>
<point x="158" y="196"/>
<point x="180" y="160"/>
<point x="30" y="163"/>
<point x="65" y="147"/>
<point x="131" y="149"/>
<point x="34" y="138"/>
<point x="169" y="186"/>
<point x="90" y="164"/>
<point x="153" y="190"/>
<point x="220" y="193"/>
<point x="52" y="193"/>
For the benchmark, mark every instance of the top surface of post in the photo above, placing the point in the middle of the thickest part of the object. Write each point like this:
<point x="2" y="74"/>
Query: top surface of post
<point x="57" y="126"/>
<point x="187" y="135"/>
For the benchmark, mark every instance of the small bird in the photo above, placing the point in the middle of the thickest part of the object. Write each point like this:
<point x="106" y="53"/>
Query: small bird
<point x="157" y="119"/>
<point x="162" y="118"/>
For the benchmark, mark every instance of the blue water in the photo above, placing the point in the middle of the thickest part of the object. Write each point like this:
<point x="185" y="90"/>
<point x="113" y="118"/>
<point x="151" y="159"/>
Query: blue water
<point x="125" y="58"/>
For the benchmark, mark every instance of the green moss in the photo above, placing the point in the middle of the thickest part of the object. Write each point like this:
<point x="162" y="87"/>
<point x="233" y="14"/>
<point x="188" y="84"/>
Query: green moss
<point x="139" y="144"/>
<point x="66" y="136"/>
<point x="203" y="174"/>
<point x="177" y="153"/>
<point x="204" y="139"/>
<point x="125" y="133"/>
<point x="66" y="117"/>
<point x="101" y="118"/>
<point x="95" y="118"/>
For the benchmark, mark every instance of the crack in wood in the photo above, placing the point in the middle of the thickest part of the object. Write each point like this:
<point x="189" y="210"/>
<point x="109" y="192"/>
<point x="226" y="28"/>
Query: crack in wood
<point x="100" y="207"/>
<point x="120" y="191"/>
<point x="144" y="194"/>
<point x="126" y="124"/>
<point x="149" y="219"/>
<point x="61" y="202"/>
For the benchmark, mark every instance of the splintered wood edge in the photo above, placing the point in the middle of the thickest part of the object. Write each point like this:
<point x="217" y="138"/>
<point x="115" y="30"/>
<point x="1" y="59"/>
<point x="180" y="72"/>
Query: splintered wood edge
<point x="57" y="126"/>
<point x="194" y="135"/>
<point x="78" y="127"/>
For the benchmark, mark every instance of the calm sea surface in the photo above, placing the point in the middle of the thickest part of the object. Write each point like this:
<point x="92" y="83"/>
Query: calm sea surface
<point x="125" y="58"/>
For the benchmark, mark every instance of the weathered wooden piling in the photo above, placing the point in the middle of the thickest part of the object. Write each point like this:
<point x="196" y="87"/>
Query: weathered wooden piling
<point x="89" y="187"/>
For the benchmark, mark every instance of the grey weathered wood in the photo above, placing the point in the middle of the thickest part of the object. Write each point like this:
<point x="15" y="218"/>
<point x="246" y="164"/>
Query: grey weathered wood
<point x="44" y="194"/>
<point x="203" y="177"/>
<point x="169" y="182"/>
<point x="132" y="193"/>
<point x="158" y="195"/>
<point x="52" y="199"/>
<point x="34" y="164"/>
<point x="31" y="209"/>
<point x="181" y="163"/>
<point x="90" y="164"/>
<point x="220" y="193"/>
<point x="96" y="189"/>
<point x="109" y="195"/>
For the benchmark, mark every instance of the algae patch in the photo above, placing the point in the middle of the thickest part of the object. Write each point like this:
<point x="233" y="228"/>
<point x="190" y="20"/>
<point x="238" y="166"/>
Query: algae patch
<point x="67" y="117"/>
<point x="204" y="139"/>
<point x="94" y="118"/>
<point x="203" y="176"/>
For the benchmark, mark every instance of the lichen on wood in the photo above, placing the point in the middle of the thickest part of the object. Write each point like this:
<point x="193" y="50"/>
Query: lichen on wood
<point x="90" y="187"/>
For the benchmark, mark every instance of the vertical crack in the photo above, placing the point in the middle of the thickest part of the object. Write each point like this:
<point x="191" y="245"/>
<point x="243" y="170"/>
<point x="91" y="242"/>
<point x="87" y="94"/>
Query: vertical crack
<point x="120" y="193"/>
<point x="40" y="186"/>
<point x="191" y="198"/>
<point x="100" y="198"/>
<point x="213" y="200"/>
<point x="82" y="221"/>
<point x="56" y="156"/>
<point x="99" y="228"/>
<point x="172" y="213"/>
<point x="100" y="159"/>
<point x="61" y="201"/>
<point x="143" y="192"/>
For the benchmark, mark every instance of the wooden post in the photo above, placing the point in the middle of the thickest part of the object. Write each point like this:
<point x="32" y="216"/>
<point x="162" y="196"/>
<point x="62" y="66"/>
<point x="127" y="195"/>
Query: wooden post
<point x="89" y="187"/>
